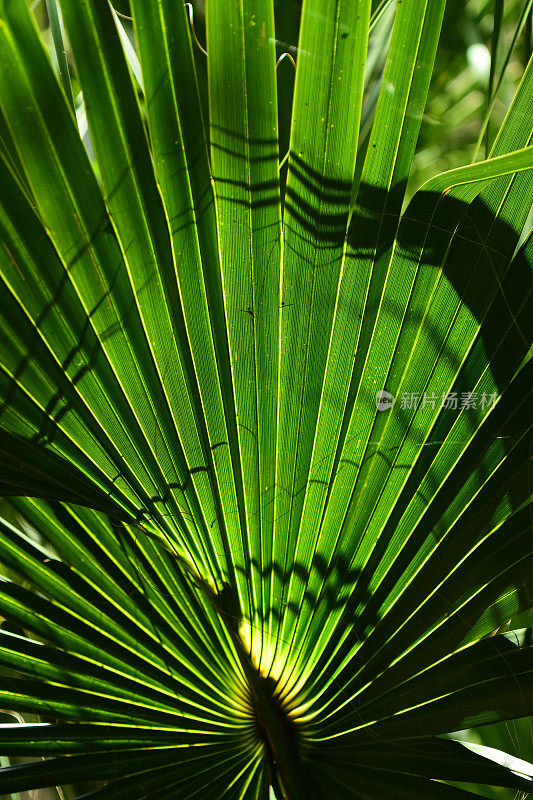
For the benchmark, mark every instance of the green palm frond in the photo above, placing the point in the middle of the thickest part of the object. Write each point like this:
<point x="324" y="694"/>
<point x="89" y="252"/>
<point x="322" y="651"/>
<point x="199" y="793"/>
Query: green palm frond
<point x="265" y="429"/>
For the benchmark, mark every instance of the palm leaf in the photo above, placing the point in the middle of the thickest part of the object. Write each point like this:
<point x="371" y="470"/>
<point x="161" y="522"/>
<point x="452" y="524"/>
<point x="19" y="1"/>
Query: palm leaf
<point x="268" y="446"/>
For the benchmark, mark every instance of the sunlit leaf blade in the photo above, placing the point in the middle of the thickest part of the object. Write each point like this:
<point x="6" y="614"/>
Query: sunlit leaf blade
<point x="182" y="172"/>
<point x="172" y="769"/>
<point x="490" y="681"/>
<point x="418" y="329"/>
<point x="410" y="766"/>
<point x="92" y="242"/>
<point x="442" y="759"/>
<point x="365" y="469"/>
<point x="244" y="157"/>
<point x="115" y="651"/>
<point x="328" y="90"/>
<point x="498" y="18"/>
<point x="499" y="613"/>
<point x="526" y="13"/>
<point x="54" y="16"/>
<point x="142" y="229"/>
<point x="346" y="292"/>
